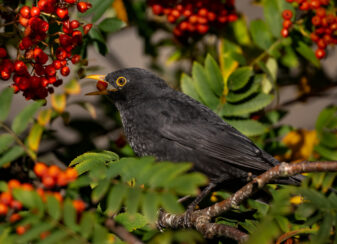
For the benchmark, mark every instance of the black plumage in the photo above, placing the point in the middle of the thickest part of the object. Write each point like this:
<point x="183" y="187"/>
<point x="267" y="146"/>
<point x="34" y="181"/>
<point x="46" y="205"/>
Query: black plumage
<point x="170" y="125"/>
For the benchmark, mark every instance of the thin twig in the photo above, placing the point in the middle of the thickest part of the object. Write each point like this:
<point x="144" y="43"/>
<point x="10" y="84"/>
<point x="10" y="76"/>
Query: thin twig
<point x="121" y="232"/>
<point x="18" y="140"/>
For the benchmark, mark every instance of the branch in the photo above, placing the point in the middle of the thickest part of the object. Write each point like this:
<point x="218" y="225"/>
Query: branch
<point x="121" y="232"/>
<point x="200" y="219"/>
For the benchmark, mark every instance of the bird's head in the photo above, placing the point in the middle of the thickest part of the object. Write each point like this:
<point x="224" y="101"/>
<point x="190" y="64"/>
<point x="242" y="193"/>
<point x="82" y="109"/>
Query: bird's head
<point x="129" y="83"/>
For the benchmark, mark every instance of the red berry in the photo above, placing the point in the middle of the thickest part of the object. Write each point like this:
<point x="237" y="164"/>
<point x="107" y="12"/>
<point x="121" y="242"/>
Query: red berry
<point x="77" y="36"/>
<point x="35" y="11"/>
<point x="79" y="205"/>
<point x="20" y="230"/>
<point x="27" y="187"/>
<point x="3" y="209"/>
<point x="24" y="84"/>
<point x="13" y="184"/>
<point x="65" y="71"/>
<point x="285" y="32"/>
<point x="101" y="85"/>
<point x="187" y="13"/>
<point x="25" y="12"/>
<point x="65" y="40"/>
<point x="74" y="24"/>
<point x="202" y="29"/>
<point x="304" y="6"/>
<point x="320" y="53"/>
<point x="62" y="179"/>
<point x="82" y="7"/>
<point x="316" y="20"/>
<point x="75" y="58"/>
<point x="57" y="64"/>
<point x="6" y="198"/>
<point x="314" y="4"/>
<point x="314" y="37"/>
<point x="203" y="12"/>
<point x="48" y="181"/>
<point x="23" y="21"/>
<point x="61" y="54"/>
<point x="27" y="42"/>
<point x="50" y="70"/>
<point x="5" y="75"/>
<point x="320" y="12"/>
<point x="3" y="52"/>
<point x="157" y="9"/>
<point x="62" y="12"/>
<point x="87" y="28"/>
<point x="287" y="23"/>
<point x="35" y="81"/>
<point x="71" y="173"/>
<point x="20" y="67"/>
<point x="287" y="14"/>
<point x="211" y="16"/>
<point x="71" y="1"/>
<point x="16" y="205"/>
<point x="14" y="217"/>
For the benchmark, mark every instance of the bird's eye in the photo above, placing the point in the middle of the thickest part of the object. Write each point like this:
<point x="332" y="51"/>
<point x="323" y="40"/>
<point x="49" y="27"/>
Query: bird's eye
<point x="121" y="81"/>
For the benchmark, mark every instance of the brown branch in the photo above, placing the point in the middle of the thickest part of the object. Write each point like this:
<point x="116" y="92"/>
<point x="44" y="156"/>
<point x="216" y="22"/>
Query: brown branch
<point x="121" y="232"/>
<point x="200" y="219"/>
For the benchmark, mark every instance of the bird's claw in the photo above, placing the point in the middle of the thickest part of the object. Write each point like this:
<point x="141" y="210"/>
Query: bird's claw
<point x="187" y="217"/>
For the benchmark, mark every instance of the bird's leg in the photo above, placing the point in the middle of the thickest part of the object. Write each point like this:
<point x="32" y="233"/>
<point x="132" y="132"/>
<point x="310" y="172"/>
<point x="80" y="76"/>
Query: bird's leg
<point x="196" y="201"/>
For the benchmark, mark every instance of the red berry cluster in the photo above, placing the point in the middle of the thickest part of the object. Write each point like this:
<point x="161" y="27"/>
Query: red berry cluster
<point x="195" y="17"/>
<point x="324" y="23"/>
<point x="45" y="51"/>
<point x="53" y="176"/>
<point x="9" y="207"/>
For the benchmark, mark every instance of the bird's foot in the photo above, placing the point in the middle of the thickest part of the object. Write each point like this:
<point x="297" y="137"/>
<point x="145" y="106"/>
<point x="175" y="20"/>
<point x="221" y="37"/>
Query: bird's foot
<point x="187" y="217"/>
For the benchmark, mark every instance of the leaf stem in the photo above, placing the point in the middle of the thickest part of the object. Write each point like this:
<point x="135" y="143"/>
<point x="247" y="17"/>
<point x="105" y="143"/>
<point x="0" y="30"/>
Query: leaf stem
<point x="18" y="141"/>
<point x="265" y="53"/>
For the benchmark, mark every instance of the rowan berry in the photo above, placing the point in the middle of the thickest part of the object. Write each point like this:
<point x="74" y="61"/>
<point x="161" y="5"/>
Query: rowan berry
<point x="3" y="209"/>
<point x="25" y="12"/>
<point x="285" y="32"/>
<point x="6" y="198"/>
<point x="65" y="71"/>
<point x="34" y="12"/>
<point x="79" y="205"/>
<point x="16" y="205"/>
<point x="14" y="217"/>
<point x="3" y="52"/>
<point x="13" y="184"/>
<point x="48" y="181"/>
<point x="320" y="53"/>
<point x="20" y="230"/>
<point x="62" y="12"/>
<point x="40" y="169"/>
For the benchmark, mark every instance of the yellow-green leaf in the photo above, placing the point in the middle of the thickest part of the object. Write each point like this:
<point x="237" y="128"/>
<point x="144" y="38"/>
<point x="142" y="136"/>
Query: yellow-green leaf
<point x="34" y="137"/>
<point x="72" y="87"/>
<point x="44" y="116"/>
<point x="58" y="102"/>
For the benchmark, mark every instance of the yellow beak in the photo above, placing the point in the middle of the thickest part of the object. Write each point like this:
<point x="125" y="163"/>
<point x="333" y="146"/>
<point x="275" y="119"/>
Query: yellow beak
<point x="101" y="92"/>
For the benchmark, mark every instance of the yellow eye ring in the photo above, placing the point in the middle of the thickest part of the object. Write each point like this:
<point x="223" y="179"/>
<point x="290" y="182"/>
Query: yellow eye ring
<point x="121" y="81"/>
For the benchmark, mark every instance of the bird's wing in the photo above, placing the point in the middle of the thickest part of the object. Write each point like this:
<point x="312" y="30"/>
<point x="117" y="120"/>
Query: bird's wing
<point x="223" y="144"/>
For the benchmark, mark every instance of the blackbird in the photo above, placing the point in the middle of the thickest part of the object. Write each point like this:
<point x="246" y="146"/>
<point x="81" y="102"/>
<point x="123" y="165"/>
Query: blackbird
<point x="165" y="123"/>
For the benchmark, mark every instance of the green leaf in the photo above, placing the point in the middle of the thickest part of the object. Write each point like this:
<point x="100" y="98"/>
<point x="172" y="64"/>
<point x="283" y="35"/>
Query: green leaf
<point x="289" y="58"/>
<point x="262" y="37"/>
<point x="234" y="97"/>
<point x="69" y="215"/>
<point x="188" y="88"/>
<point x="12" y="154"/>
<point x="100" y="190"/>
<point x="202" y="86"/>
<point x="133" y="198"/>
<point x="307" y="53"/>
<point x="214" y="75"/>
<point x="170" y="203"/>
<point x="29" y="199"/>
<point x="328" y="181"/>
<point x="188" y="184"/>
<point x="87" y="224"/>
<point x="326" y="115"/>
<point x="5" y="102"/>
<point x="241" y="32"/>
<point x="34" y="137"/>
<point x="111" y="25"/>
<point x="34" y="232"/>
<point x="115" y="198"/>
<point x="21" y="121"/>
<point x="6" y="141"/>
<point x="150" y="205"/>
<point x="249" y="127"/>
<point x="273" y="17"/>
<point x="253" y="105"/>
<point x="53" y="207"/>
<point x="99" y="9"/>
<point x="100" y="234"/>
<point x="96" y="34"/>
<point x="328" y="139"/>
<point x="55" y="237"/>
<point x="239" y="78"/>
<point x="131" y="221"/>
<point x="326" y="152"/>
<point x="102" y="156"/>
<point x="323" y="233"/>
